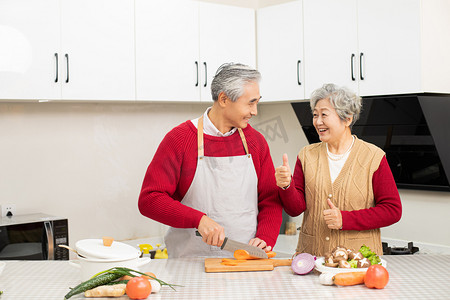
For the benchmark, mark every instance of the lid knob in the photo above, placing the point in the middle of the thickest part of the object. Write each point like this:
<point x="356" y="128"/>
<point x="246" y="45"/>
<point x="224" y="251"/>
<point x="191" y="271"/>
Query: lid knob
<point x="107" y="241"/>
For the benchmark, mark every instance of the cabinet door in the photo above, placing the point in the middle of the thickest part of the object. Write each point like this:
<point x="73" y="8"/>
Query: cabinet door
<point x="227" y="34"/>
<point x="98" y="37"/>
<point x="30" y="37"/>
<point x="280" y="51"/>
<point x="330" y="41"/>
<point x="167" y="50"/>
<point x="389" y="46"/>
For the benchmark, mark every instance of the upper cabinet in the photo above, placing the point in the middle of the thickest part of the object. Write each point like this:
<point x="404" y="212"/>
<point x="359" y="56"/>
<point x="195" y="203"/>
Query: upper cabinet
<point x="97" y="41"/>
<point x="180" y="45"/>
<point x="30" y="50"/>
<point x="280" y="51"/>
<point x="67" y="49"/>
<point x="331" y="44"/>
<point x="376" y="47"/>
<point x="389" y="47"/>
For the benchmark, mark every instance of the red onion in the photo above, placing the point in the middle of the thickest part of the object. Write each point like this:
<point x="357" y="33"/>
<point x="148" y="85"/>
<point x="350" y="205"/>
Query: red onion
<point x="303" y="263"/>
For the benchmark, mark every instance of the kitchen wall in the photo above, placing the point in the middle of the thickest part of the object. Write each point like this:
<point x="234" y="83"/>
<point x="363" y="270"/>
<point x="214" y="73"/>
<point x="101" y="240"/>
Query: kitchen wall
<point x="86" y="162"/>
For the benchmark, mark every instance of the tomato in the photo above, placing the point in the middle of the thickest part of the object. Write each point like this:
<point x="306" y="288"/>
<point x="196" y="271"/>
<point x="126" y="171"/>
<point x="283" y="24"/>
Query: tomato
<point x="138" y="288"/>
<point x="376" y="277"/>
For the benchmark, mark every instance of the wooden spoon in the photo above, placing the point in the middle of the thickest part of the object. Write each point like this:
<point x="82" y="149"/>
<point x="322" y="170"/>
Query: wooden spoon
<point x="71" y="249"/>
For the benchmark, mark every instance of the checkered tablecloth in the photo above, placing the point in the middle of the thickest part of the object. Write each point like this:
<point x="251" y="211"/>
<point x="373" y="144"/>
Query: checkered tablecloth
<point x="411" y="277"/>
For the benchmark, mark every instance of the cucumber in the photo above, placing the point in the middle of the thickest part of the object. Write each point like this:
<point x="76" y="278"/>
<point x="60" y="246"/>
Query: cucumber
<point x="101" y="279"/>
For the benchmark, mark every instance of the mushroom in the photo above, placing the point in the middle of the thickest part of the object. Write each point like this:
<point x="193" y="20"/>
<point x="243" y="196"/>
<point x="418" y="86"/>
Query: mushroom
<point x="333" y="265"/>
<point x="344" y="264"/>
<point x="363" y="263"/>
<point x="357" y="256"/>
<point x="337" y="248"/>
<point x="340" y="254"/>
<point x="329" y="262"/>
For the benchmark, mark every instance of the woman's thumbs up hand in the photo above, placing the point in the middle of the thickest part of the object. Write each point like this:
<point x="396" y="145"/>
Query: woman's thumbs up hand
<point x="283" y="173"/>
<point x="332" y="216"/>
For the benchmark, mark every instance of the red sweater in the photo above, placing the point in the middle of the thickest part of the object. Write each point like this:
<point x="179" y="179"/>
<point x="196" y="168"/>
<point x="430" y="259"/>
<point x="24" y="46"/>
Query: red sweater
<point x="172" y="170"/>
<point x="387" y="210"/>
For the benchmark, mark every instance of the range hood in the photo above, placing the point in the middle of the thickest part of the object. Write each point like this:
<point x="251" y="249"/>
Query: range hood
<point x="413" y="130"/>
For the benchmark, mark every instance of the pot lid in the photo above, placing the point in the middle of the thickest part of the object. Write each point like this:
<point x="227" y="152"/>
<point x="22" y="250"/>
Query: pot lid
<point x="94" y="248"/>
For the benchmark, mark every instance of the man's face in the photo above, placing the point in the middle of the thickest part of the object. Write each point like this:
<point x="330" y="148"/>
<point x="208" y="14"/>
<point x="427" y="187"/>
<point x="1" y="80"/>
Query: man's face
<point x="238" y="113"/>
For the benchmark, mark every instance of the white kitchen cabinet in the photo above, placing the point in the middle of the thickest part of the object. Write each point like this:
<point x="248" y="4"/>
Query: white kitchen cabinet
<point x="180" y="44"/>
<point x="280" y="51"/>
<point x="67" y="49"/>
<point x="330" y="30"/>
<point x="227" y="34"/>
<point x="389" y="47"/>
<point x="372" y="47"/>
<point x="30" y="41"/>
<point x="167" y="50"/>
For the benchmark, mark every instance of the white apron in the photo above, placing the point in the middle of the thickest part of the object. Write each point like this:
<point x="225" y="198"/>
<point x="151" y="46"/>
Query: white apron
<point x="226" y="189"/>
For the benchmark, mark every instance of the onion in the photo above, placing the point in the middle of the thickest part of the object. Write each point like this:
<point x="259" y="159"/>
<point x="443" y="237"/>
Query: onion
<point x="303" y="263"/>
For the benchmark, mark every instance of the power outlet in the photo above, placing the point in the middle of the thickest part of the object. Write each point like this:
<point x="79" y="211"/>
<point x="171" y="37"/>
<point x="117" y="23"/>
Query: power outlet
<point x="6" y="208"/>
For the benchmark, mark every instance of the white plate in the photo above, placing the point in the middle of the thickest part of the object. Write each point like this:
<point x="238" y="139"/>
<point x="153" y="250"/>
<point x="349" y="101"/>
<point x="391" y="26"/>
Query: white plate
<point x="321" y="268"/>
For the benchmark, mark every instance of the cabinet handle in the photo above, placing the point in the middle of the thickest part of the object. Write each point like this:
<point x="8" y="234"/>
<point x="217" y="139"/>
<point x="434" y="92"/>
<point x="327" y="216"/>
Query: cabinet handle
<point x="196" y="67"/>
<point x="206" y="74"/>
<point x="352" y="58"/>
<point x="56" y="58"/>
<point x="67" y="67"/>
<point x="298" y="72"/>
<point x="360" y="66"/>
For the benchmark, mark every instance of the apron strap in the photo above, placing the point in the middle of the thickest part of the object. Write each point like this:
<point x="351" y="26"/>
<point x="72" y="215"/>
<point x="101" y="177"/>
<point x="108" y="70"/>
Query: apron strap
<point x="201" y="149"/>
<point x="244" y="141"/>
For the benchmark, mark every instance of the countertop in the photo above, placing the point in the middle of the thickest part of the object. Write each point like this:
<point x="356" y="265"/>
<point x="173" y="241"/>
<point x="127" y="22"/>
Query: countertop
<point x="411" y="277"/>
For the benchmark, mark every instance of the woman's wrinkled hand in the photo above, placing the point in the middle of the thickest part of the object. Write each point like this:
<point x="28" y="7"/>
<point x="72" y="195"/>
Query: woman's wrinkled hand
<point x="332" y="216"/>
<point x="283" y="173"/>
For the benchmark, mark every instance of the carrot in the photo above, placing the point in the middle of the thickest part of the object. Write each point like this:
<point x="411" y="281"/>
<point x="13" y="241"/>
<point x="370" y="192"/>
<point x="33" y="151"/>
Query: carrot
<point x="349" y="278"/>
<point x="243" y="254"/>
<point x="271" y="254"/>
<point x="229" y="263"/>
<point x="233" y="260"/>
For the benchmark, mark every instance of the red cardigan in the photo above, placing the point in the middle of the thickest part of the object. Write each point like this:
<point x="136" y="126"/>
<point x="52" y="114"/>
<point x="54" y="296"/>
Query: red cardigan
<point x="387" y="210"/>
<point x="172" y="170"/>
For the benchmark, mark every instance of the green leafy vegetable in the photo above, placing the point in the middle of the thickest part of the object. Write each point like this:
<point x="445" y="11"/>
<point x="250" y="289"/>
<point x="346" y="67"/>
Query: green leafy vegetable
<point x="353" y="263"/>
<point x="370" y="255"/>
<point x="374" y="259"/>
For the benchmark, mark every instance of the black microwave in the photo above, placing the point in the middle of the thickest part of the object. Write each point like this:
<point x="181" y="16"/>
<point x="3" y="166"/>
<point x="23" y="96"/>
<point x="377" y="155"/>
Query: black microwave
<point x="33" y="237"/>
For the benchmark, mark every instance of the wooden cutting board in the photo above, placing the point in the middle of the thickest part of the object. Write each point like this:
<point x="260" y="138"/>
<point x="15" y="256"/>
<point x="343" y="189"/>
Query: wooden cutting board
<point x="215" y="265"/>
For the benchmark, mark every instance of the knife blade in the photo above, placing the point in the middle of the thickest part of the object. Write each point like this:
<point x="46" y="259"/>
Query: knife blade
<point x="232" y="245"/>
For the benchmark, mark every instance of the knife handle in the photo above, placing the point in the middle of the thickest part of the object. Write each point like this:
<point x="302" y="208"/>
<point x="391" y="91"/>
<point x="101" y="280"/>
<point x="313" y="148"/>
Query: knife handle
<point x="224" y="241"/>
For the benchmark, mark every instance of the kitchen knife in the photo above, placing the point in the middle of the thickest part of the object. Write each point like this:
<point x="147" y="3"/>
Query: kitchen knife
<point x="231" y="245"/>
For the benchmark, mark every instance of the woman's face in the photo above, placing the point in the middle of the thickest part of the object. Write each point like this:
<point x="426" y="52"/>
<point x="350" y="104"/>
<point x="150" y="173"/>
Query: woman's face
<point x="327" y="122"/>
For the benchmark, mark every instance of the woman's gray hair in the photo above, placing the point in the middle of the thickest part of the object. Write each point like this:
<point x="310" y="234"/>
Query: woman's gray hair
<point x="231" y="78"/>
<point x="345" y="102"/>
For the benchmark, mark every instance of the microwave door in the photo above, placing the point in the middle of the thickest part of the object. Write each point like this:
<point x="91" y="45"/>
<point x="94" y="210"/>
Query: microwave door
<point x="50" y="239"/>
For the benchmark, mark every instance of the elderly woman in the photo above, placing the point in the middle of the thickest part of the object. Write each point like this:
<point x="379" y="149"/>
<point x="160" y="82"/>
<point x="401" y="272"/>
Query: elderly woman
<point x="343" y="184"/>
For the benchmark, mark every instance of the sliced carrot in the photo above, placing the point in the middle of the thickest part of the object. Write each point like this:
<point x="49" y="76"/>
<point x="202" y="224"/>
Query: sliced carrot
<point x="349" y="278"/>
<point x="271" y="254"/>
<point x="233" y="260"/>
<point x="229" y="263"/>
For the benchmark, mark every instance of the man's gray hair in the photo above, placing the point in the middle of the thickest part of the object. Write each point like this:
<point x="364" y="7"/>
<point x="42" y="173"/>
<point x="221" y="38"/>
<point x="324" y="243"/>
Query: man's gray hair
<point x="345" y="102"/>
<point x="231" y="78"/>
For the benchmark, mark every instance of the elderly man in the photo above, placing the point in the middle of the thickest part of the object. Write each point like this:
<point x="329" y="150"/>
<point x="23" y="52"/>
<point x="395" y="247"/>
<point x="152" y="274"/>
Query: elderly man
<point x="214" y="174"/>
